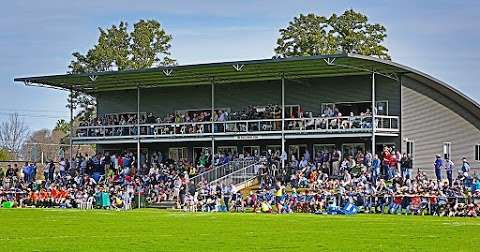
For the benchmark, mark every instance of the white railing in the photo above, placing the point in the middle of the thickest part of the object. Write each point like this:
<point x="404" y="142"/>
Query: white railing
<point x="387" y="124"/>
<point x="221" y="171"/>
<point x="237" y="177"/>
<point x="344" y="124"/>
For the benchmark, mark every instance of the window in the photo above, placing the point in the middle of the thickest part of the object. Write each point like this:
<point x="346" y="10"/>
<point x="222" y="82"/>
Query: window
<point x="355" y="107"/>
<point x="382" y="107"/>
<point x="323" y="147"/>
<point x="477" y="152"/>
<point x="292" y="110"/>
<point x="230" y="150"/>
<point x="199" y="151"/>
<point x="275" y="148"/>
<point x="252" y="150"/>
<point x="351" y="149"/>
<point x="178" y="153"/>
<point x="410" y="148"/>
<point x="447" y="149"/>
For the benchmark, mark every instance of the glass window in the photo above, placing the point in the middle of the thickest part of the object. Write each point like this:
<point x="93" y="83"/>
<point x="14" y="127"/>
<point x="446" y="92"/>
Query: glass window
<point x="178" y="153"/>
<point x="477" y="152"/>
<point x="323" y="147"/>
<point x="351" y="149"/>
<point x="410" y="149"/>
<point x="382" y="107"/>
<point x="230" y="150"/>
<point x="447" y="149"/>
<point x="251" y="150"/>
<point x="297" y="150"/>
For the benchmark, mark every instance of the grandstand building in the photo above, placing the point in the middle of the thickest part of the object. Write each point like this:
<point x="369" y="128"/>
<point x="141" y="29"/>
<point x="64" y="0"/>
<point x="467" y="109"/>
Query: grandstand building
<point x="347" y="102"/>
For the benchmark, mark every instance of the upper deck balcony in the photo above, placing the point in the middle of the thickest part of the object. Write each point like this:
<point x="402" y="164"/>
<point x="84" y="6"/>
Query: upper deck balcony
<point x="313" y="127"/>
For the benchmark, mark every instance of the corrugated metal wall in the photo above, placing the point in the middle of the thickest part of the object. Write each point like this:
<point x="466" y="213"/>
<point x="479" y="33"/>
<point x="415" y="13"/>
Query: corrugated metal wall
<point x="431" y="122"/>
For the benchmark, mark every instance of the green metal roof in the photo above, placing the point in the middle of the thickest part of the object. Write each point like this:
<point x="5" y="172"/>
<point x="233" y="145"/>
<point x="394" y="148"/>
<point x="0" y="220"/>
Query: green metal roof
<point x="251" y="71"/>
<point x="225" y="72"/>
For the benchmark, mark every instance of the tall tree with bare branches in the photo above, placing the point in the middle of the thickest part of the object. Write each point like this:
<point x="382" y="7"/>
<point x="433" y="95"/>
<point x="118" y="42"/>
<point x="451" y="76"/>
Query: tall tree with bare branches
<point x="13" y="133"/>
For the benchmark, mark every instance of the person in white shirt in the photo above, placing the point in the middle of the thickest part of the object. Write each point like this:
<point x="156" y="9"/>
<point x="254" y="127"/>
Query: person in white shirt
<point x="62" y="164"/>
<point x="449" y="166"/>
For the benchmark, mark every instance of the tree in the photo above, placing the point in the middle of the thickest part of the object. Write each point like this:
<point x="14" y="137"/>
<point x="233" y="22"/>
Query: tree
<point x="5" y="155"/>
<point x="44" y="141"/>
<point x="146" y="46"/>
<point x="350" y="32"/>
<point x="13" y="133"/>
<point x="62" y="126"/>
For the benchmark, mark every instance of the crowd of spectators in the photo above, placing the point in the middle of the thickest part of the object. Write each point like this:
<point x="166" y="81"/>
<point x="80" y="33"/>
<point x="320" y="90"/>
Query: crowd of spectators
<point x="318" y="184"/>
<point x="196" y="122"/>
<point x="106" y="181"/>
<point x="311" y="189"/>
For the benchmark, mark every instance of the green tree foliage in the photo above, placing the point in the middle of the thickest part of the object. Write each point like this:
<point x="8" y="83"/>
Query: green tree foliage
<point x="62" y="126"/>
<point x="146" y="46"/>
<point x="5" y="155"/>
<point x="350" y="32"/>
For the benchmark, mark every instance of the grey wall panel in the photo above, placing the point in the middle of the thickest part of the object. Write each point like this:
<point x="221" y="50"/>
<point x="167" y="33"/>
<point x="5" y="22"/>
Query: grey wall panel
<point x="159" y="101"/>
<point x="238" y="96"/>
<point x="430" y="123"/>
<point x="388" y="90"/>
<point x="169" y="99"/>
<point x="116" y="102"/>
<point x="311" y="93"/>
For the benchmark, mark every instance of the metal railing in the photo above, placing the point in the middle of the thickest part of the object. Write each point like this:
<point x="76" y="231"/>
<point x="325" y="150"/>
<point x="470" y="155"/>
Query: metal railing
<point x="237" y="177"/>
<point x="344" y="124"/>
<point x="387" y="123"/>
<point x="221" y="171"/>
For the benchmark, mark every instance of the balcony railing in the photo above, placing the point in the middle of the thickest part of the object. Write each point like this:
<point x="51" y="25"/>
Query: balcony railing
<point x="344" y="124"/>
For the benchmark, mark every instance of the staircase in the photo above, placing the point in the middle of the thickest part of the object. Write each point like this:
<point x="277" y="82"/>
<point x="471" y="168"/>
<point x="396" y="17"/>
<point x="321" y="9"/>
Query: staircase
<point x="221" y="171"/>
<point x="241" y="178"/>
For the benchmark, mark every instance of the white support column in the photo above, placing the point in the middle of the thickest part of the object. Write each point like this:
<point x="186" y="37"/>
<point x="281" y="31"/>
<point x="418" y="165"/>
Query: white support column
<point x="213" y="123"/>
<point x="138" y="141"/>
<point x="71" y="128"/>
<point x="374" y="113"/>
<point x="138" y="129"/>
<point x="283" y="121"/>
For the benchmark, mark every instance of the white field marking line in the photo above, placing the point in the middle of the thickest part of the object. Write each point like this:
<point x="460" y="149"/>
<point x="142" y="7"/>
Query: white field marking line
<point x="461" y="224"/>
<point x="73" y="236"/>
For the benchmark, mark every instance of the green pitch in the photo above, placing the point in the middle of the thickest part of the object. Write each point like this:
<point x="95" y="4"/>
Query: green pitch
<point x="157" y="230"/>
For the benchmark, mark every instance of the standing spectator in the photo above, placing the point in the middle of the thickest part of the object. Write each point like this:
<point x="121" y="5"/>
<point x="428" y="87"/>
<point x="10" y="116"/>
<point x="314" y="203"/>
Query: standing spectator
<point x="62" y="167"/>
<point x="404" y="166"/>
<point x="26" y="172"/>
<point x="398" y="158"/>
<point x="392" y="166"/>
<point x="449" y="166"/>
<point x="437" y="165"/>
<point x="465" y="167"/>
<point x="336" y="161"/>
<point x="10" y="171"/>
<point x="375" y="168"/>
<point x="51" y="170"/>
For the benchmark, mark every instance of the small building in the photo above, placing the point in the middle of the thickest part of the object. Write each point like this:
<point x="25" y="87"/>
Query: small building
<point x="347" y="102"/>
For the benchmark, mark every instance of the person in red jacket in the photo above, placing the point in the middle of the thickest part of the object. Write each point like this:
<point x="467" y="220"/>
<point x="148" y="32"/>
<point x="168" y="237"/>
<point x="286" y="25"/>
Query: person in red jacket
<point x="392" y="166"/>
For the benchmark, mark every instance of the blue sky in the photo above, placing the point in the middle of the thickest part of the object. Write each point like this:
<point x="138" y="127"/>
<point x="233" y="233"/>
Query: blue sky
<point x="37" y="37"/>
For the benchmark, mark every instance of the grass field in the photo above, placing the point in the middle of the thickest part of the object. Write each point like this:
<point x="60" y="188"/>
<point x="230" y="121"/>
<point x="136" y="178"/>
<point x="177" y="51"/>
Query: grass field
<point x="157" y="230"/>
